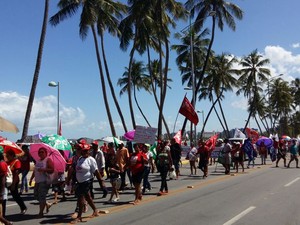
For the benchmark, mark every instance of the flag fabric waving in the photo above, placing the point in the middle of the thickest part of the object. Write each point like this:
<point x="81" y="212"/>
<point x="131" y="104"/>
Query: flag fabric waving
<point x="177" y="137"/>
<point x="188" y="111"/>
<point x="211" y="142"/>
<point x="252" y="134"/>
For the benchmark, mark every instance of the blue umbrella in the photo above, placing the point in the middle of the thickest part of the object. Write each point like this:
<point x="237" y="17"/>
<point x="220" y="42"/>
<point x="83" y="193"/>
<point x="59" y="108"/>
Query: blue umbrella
<point x="267" y="141"/>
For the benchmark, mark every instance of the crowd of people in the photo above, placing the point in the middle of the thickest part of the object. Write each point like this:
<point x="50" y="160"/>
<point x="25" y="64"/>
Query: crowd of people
<point x="118" y="164"/>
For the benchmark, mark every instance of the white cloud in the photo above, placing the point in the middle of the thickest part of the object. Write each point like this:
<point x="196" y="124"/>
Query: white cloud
<point x="296" y="45"/>
<point x="283" y="61"/>
<point x="43" y="116"/>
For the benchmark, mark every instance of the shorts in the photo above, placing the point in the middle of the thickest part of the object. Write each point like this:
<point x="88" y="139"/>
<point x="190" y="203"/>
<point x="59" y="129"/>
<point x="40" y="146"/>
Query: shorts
<point x="137" y="178"/>
<point x="116" y="182"/>
<point x="40" y="191"/>
<point x="83" y="189"/>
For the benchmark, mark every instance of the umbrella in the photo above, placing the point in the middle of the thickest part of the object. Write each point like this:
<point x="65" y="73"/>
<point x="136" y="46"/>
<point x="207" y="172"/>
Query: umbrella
<point x="57" y="158"/>
<point x="285" y="137"/>
<point x="111" y="139"/>
<point x="8" y="126"/>
<point x="58" y="142"/>
<point x="129" y="135"/>
<point x="9" y="145"/>
<point x="267" y="141"/>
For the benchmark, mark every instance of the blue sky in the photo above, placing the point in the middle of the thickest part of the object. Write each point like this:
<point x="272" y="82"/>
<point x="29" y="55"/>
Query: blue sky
<point x="271" y="26"/>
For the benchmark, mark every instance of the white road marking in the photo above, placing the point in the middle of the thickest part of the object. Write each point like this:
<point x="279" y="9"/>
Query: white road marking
<point x="13" y="204"/>
<point x="239" y="216"/>
<point x="293" y="181"/>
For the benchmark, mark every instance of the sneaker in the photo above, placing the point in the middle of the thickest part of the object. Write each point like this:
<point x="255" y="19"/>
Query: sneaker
<point x="116" y="200"/>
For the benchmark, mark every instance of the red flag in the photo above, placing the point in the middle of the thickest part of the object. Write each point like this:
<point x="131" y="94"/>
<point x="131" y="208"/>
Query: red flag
<point x="211" y="142"/>
<point x="188" y="111"/>
<point x="59" y="129"/>
<point x="177" y="137"/>
<point x="254" y="135"/>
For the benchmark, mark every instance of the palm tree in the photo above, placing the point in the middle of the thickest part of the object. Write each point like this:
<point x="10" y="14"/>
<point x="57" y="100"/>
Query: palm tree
<point x="91" y="15"/>
<point x="165" y="13"/>
<point x="296" y="92"/>
<point x="252" y="76"/>
<point x="281" y="102"/>
<point x="36" y="72"/>
<point x="140" y="80"/>
<point x="183" y="50"/>
<point x="148" y="26"/>
<point x="221" y="11"/>
<point x="153" y="68"/>
<point x="109" y="15"/>
<point x="220" y="78"/>
<point x="136" y="26"/>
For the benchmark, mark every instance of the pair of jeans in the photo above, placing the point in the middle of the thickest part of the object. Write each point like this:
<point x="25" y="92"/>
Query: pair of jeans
<point x="24" y="181"/>
<point x="146" y="183"/>
<point x="163" y="175"/>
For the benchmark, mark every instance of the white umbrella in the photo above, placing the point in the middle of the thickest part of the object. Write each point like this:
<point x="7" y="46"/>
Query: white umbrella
<point x="8" y="126"/>
<point x="111" y="139"/>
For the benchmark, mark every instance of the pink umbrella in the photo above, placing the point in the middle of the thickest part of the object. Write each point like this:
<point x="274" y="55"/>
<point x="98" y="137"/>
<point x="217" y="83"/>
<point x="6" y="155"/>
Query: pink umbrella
<point x="129" y="135"/>
<point x="54" y="154"/>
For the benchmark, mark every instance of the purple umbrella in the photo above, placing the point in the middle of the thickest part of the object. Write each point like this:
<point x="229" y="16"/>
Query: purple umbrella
<point x="129" y="135"/>
<point x="267" y="141"/>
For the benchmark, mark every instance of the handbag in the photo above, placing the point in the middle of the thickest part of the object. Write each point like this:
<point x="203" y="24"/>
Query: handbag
<point x="52" y="178"/>
<point x="8" y="177"/>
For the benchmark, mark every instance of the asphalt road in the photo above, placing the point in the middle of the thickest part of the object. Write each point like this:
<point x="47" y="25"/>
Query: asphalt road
<point x="260" y="195"/>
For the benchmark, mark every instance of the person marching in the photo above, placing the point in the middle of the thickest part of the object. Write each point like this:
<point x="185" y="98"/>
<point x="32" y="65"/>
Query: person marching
<point x="15" y="166"/>
<point x="42" y="166"/>
<point x="3" y="189"/>
<point x="136" y="164"/>
<point x="203" y="152"/>
<point x="281" y="153"/>
<point x="164" y="164"/>
<point x="86" y="169"/>
<point x="294" y="153"/>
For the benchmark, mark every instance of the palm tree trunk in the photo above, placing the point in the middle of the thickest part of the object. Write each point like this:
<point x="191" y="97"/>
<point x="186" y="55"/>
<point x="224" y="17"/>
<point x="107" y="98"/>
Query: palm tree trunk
<point x="138" y="105"/>
<point x="113" y="131"/>
<point x="129" y="84"/>
<point x="154" y="89"/>
<point x="224" y="119"/>
<point x="219" y="118"/>
<point x="111" y="86"/>
<point x="36" y="72"/>
<point x="260" y="130"/>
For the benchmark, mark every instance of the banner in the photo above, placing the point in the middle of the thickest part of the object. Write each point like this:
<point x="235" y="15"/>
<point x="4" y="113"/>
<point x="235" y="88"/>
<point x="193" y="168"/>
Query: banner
<point x="188" y="111"/>
<point x="145" y="135"/>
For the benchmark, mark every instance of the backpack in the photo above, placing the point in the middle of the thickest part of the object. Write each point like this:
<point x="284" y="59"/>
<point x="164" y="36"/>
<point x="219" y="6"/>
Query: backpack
<point x="162" y="161"/>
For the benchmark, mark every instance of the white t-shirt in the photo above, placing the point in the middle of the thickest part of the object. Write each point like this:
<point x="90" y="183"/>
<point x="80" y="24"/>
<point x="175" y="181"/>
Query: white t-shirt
<point x="85" y="169"/>
<point x="193" y="154"/>
<point x="40" y="176"/>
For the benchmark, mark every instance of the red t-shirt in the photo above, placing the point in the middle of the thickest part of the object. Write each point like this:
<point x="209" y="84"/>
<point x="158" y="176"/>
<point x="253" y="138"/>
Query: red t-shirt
<point x="137" y="162"/>
<point x="14" y="166"/>
<point x="3" y="168"/>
